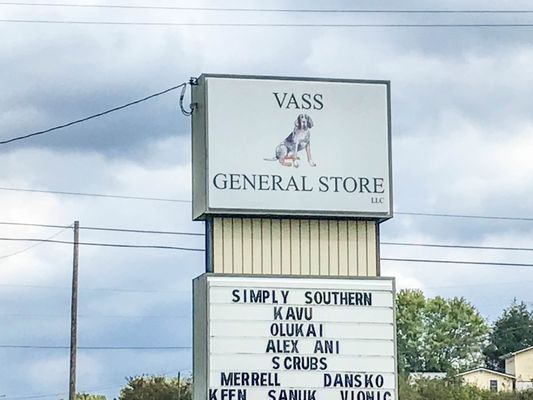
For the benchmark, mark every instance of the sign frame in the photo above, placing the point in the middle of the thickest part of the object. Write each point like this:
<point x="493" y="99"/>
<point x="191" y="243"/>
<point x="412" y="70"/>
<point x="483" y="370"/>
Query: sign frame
<point x="201" y="330"/>
<point x="201" y="209"/>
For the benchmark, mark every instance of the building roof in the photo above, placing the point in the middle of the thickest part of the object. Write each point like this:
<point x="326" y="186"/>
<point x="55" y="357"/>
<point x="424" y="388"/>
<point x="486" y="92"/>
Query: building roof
<point x="509" y="355"/>
<point x="481" y="369"/>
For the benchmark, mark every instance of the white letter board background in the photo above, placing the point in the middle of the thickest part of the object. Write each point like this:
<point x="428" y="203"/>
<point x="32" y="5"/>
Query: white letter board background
<point x="238" y="333"/>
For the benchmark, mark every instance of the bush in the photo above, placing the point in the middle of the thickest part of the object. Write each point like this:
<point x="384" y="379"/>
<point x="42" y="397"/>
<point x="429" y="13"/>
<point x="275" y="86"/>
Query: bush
<point x="450" y="389"/>
<point x="156" y="387"/>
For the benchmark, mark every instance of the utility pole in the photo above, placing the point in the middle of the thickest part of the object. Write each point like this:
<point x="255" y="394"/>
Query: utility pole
<point x="179" y="385"/>
<point x="74" y="314"/>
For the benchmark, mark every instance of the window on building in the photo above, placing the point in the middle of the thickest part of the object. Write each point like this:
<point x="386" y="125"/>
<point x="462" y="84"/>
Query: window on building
<point x="493" y="385"/>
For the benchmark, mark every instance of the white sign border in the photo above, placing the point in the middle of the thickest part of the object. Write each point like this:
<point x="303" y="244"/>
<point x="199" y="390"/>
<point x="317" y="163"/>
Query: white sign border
<point x="200" y="152"/>
<point x="201" y="341"/>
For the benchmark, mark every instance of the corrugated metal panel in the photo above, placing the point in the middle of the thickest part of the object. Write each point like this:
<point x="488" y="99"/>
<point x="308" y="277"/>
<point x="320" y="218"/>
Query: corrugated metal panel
<point x="295" y="246"/>
<point x="247" y="248"/>
<point x="343" y="248"/>
<point x="266" y="254"/>
<point x="314" y="247"/>
<point x="276" y="246"/>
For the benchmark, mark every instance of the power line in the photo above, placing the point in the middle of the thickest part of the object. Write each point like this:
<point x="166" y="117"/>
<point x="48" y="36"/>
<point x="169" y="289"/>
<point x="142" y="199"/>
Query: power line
<point x="120" y="290"/>
<point x="16" y="346"/>
<point x="60" y="347"/>
<point x="32" y="224"/>
<point x="89" y="316"/>
<point x="33" y="245"/>
<point x="93" y="289"/>
<point x="273" y="10"/>
<point x="47" y="347"/>
<point x="429" y="261"/>
<point x="36" y="396"/>
<point x="92" y="228"/>
<point x="78" y="121"/>
<point x="457" y="246"/>
<point x="503" y="264"/>
<point x="199" y="234"/>
<point x="49" y="240"/>
<point x="267" y="25"/>
<point x="119" y="245"/>
<point x="481" y="284"/>
<point x="443" y="215"/>
<point x="114" y="196"/>
<point x="465" y="216"/>
<point x="164" y="247"/>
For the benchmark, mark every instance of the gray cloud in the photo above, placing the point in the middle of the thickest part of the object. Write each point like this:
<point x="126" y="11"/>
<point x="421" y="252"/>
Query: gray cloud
<point x="462" y="134"/>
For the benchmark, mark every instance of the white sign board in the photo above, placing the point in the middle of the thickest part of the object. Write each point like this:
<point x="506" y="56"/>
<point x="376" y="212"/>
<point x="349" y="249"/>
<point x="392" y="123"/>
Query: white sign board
<point x="259" y="338"/>
<point x="289" y="146"/>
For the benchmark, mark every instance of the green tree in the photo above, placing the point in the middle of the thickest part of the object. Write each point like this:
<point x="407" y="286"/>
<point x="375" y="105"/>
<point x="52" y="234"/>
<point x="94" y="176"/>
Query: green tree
<point x="156" y="387"/>
<point x="453" y="389"/>
<point x="410" y="329"/>
<point x="512" y="331"/>
<point x="87" y="396"/>
<point x="437" y="334"/>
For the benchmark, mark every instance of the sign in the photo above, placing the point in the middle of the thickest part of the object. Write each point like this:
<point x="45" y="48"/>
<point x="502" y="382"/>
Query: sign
<point x="291" y="146"/>
<point x="258" y="338"/>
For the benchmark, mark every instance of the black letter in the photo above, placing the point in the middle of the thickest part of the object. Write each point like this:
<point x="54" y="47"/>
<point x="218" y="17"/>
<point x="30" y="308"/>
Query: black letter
<point x="304" y="188"/>
<point x="224" y="182"/>
<point x="346" y="187"/>
<point x="236" y="297"/>
<point x="378" y="185"/>
<point x="276" y="179"/>
<point x="292" y="100"/>
<point x="323" y="184"/>
<point x="234" y="181"/>
<point x="336" y="179"/>
<point x="318" y="98"/>
<point x="364" y="185"/>
<point x="263" y="182"/>
<point x="225" y="380"/>
<point x="280" y="103"/>
<point x="248" y="180"/>
<point x="305" y="99"/>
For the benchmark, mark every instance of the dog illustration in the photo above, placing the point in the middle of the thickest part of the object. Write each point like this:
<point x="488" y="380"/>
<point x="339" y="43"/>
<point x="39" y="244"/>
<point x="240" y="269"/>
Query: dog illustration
<point x="299" y="139"/>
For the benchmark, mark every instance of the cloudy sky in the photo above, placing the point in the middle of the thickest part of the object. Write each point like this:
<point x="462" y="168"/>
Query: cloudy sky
<point x="462" y="144"/>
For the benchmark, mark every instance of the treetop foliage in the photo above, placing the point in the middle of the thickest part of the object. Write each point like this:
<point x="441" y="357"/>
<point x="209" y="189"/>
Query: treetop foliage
<point x="437" y="334"/>
<point x="156" y="387"/>
<point x="511" y="332"/>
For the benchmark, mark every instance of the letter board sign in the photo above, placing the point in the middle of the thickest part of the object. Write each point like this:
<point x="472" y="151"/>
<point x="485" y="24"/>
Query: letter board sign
<point x="291" y="146"/>
<point x="259" y="338"/>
